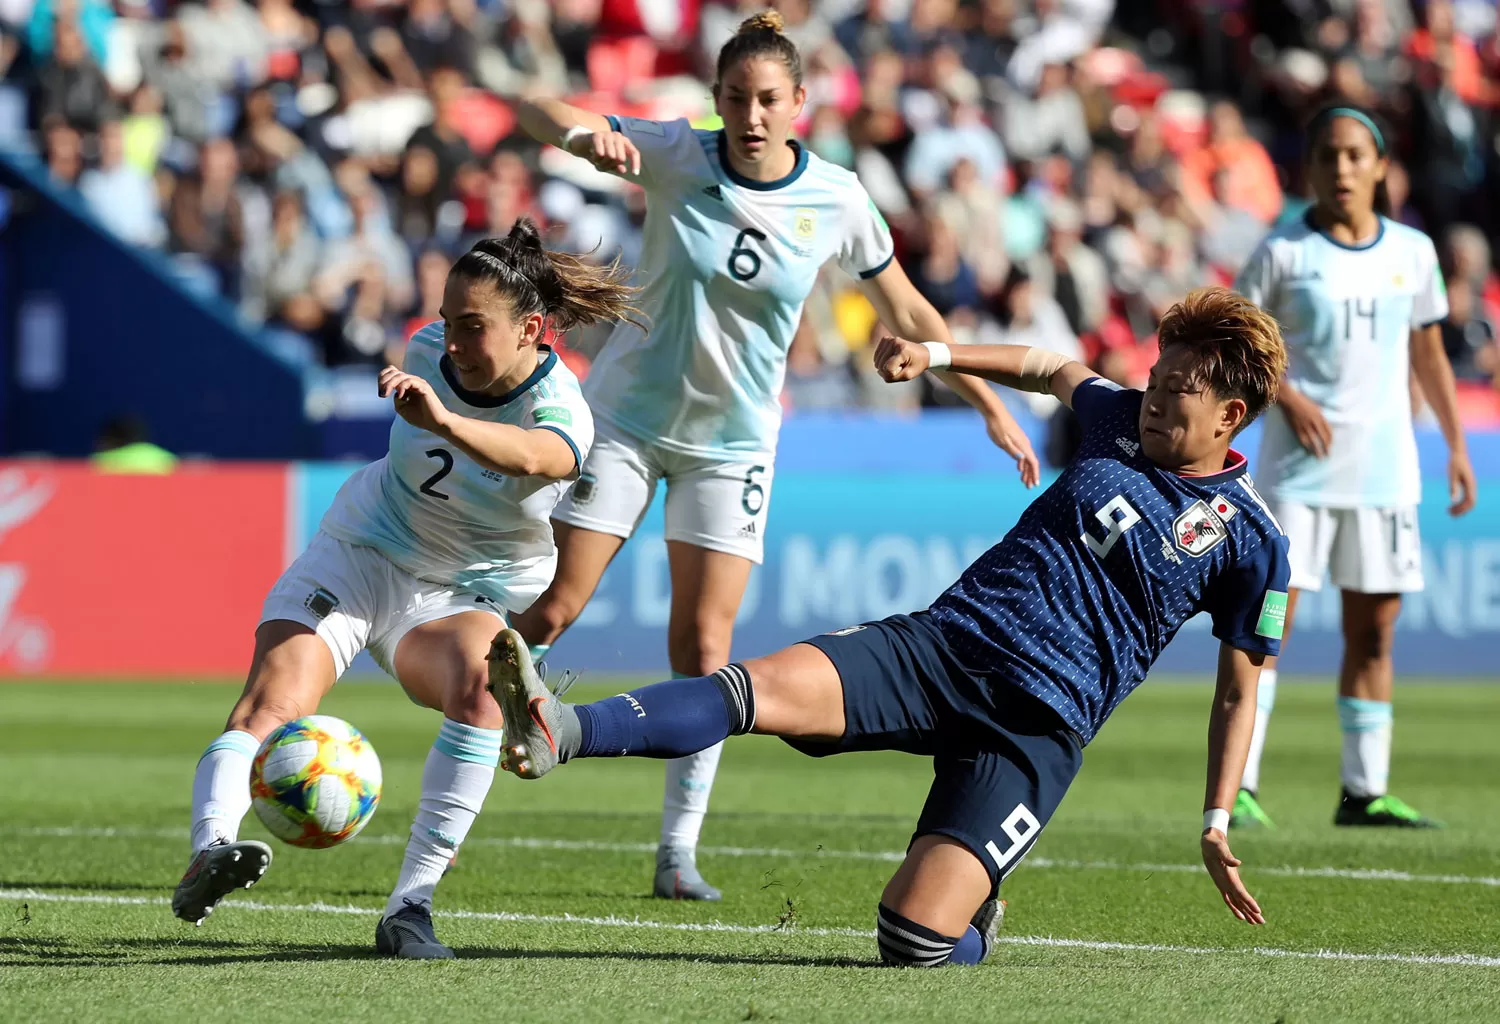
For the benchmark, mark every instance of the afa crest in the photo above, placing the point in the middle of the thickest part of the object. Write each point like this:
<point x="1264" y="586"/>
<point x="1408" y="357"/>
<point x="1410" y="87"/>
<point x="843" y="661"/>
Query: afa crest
<point x="805" y="222"/>
<point x="1198" y="530"/>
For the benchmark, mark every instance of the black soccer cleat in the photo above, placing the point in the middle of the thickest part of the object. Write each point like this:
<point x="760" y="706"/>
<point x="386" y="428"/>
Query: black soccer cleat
<point x="215" y="872"/>
<point x="407" y="935"/>
<point x="1381" y="812"/>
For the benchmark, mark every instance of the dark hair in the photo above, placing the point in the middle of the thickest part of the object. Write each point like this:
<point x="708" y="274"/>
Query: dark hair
<point x="760" y="36"/>
<point x="1380" y="133"/>
<point x="562" y="286"/>
<point x="1237" y="347"/>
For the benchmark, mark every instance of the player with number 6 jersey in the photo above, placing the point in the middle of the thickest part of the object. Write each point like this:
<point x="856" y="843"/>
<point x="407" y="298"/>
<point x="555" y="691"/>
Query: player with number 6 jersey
<point x="1017" y="665"/>
<point x="1359" y="297"/>
<point x="739" y="222"/>
<point x="421" y="557"/>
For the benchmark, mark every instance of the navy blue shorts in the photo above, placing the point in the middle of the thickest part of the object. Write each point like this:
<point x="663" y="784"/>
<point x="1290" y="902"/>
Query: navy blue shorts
<point x="1002" y="758"/>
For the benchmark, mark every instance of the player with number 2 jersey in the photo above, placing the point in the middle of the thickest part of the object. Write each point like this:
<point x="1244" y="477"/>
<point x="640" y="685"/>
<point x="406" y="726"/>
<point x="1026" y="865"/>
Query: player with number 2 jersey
<point x="419" y="560"/>
<point x="1013" y="669"/>
<point x="739" y="223"/>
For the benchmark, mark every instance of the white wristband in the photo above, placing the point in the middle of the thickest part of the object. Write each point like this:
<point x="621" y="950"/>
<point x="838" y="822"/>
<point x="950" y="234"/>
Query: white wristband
<point x="939" y="356"/>
<point x="1217" y="818"/>
<point x="578" y="131"/>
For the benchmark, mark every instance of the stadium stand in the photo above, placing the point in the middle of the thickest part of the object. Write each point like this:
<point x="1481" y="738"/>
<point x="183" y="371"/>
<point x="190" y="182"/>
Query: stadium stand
<point x="1058" y="171"/>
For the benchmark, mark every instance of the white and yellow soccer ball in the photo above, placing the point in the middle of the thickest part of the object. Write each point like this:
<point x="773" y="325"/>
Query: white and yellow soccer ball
<point x="315" y="782"/>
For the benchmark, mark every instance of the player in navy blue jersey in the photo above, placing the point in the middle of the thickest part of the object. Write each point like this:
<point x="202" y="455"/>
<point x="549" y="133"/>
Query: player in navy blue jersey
<point x="1006" y="677"/>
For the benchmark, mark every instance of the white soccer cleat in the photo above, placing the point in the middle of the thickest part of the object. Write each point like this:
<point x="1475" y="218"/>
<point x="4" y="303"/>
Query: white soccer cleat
<point x="215" y="872"/>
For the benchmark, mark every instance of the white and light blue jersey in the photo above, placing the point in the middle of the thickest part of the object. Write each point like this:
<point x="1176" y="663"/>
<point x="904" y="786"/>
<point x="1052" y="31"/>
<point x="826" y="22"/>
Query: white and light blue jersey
<point x="727" y="264"/>
<point x="1347" y="313"/>
<point x="444" y="518"/>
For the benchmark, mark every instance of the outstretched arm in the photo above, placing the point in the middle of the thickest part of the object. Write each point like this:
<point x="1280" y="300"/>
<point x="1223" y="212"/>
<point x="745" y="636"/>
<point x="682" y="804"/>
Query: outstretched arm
<point x="1230" y="724"/>
<point x="581" y="133"/>
<point x="1015" y="366"/>
<point x="907" y="312"/>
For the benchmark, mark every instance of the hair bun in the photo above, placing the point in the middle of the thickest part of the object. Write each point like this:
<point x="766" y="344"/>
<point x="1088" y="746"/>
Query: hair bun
<point x="765" y="21"/>
<point x="524" y="234"/>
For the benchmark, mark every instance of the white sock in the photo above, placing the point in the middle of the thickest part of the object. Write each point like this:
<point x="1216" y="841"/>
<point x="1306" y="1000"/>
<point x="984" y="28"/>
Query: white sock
<point x="1265" y="700"/>
<point x="1365" y="768"/>
<point x="221" y="788"/>
<point x="690" y="780"/>
<point x="460" y="767"/>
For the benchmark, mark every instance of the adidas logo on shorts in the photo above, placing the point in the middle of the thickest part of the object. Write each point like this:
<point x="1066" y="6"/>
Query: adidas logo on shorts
<point x="748" y="530"/>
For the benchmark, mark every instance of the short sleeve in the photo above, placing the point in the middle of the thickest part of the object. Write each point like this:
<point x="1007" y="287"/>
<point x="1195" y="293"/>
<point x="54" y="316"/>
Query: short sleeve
<point x="424" y="350"/>
<point x="1430" y="305"/>
<point x="1257" y="278"/>
<point x="670" y="150"/>
<point x="1248" y="601"/>
<point x="569" y="419"/>
<point x="1097" y="397"/>
<point x="866" y="248"/>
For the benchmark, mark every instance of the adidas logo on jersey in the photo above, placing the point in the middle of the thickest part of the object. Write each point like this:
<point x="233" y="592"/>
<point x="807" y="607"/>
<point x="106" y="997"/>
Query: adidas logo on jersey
<point x="714" y="192"/>
<point x="1128" y="446"/>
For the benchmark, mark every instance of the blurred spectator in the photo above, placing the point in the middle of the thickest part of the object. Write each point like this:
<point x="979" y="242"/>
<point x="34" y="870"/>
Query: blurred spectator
<point x="64" y="152"/>
<point x="122" y="197"/>
<point x="228" y="42"/>
<point x="189" y="97"/>
<point x="72" y="86"/>
<point x="1059" y="169"/>
<point x="206" y="215"/>
<point x="279" y="275"/>
<point x="1023" y="316"/>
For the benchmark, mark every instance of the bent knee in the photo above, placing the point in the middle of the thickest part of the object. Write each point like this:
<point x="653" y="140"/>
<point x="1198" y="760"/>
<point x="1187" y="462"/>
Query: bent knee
<point x="905" y="943"/>
<point x="467" y="698"/>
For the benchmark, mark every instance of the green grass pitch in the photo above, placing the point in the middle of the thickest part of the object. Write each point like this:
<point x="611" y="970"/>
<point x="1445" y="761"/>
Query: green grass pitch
<point x="1110" y="917"/>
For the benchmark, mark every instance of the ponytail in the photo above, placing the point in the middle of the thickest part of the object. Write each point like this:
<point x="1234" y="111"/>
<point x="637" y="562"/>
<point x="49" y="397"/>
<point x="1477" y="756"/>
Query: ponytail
<point x="562" y="286"/>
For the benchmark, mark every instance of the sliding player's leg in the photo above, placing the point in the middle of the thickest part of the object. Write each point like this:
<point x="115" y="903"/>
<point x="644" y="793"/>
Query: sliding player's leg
<point x="441" y="665"/>
<point x="289" y="674"/>
<point x="984" y="812"/>
<point x="795" y="693"/>
<point x="706" y="590"/>
<point x="1376" y="560"/>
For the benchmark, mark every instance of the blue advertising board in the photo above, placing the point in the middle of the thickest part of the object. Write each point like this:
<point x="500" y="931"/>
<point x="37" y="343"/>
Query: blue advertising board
<point x="871" y="517"/>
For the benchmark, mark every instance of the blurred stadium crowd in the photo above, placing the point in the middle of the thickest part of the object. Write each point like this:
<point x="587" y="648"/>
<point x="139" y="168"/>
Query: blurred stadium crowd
<point x="1056" y="172"/>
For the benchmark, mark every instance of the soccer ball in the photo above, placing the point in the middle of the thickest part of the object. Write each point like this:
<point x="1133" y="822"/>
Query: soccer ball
<point x="315" y="782"/>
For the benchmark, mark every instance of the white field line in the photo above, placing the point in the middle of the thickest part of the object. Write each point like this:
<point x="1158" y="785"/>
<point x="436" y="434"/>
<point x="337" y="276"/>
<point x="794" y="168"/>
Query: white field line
<point x="510" y="917"/>
<point x="890" y="856"/>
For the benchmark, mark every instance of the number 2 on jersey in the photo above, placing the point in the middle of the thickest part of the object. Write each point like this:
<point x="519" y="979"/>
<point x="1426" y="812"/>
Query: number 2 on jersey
<point x="445" y="457"/>
<point x="1114" y="525"/>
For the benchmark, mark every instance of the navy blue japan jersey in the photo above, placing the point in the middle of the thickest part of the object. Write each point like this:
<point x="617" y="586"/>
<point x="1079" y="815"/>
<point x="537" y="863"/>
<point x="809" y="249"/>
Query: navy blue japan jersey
<point x="1088" y="588"/>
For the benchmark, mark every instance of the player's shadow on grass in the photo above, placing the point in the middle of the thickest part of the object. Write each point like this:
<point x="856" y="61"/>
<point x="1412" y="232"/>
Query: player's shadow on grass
<point x="18" y="951"/>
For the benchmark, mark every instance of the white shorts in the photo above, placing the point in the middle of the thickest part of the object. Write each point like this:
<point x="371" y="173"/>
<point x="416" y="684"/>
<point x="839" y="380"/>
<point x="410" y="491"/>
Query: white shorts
<point x="355" y="598"/>
<point x="1366" y="550"/>
<point x="720" y="506"/>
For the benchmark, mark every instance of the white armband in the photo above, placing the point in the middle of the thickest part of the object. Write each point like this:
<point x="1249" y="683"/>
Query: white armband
<point x="1216" y="818"/>
<point x="939" y="355"/>
<point x="578" y="131"/>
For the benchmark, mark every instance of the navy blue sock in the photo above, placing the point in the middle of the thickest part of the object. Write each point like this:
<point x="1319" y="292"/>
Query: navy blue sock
<point x="971" y="949"/>
<point x="670" y="719"/>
